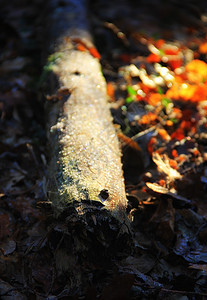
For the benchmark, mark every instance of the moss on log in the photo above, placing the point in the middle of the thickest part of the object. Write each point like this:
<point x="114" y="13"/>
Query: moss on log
<point x="85" y="157"/>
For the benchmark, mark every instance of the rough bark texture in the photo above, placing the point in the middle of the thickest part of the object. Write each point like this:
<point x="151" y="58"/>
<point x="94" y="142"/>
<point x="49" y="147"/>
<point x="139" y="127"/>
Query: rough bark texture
<point x="85" y="156"/>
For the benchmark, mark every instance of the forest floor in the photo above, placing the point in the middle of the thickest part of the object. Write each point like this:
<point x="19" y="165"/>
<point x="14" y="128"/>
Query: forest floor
<point x="154" y="58"/>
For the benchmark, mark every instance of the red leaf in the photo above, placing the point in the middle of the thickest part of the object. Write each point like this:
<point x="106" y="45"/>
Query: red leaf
<point x="171" y="51"/>
<point x="175" y="63"/>
<point x="178" y="134"/>
<point x="153" y="58"/>
<point x="93" y="51"/>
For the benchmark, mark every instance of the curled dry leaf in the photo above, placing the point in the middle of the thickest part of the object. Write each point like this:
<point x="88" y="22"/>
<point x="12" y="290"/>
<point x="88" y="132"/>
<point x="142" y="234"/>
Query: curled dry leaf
<point x="199" y="267"/>
<point x="163" y="165"/>
<point x="8" y="247"/>
<point x="157" y="188"/>
<point x="162" y="190"/>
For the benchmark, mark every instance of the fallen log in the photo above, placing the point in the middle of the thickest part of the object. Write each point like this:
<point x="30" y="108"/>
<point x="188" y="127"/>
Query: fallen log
<point x="85" y="160"/>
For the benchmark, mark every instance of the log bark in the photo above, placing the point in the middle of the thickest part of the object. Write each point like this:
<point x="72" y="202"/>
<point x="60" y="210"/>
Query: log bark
<point x="85" y="159"/>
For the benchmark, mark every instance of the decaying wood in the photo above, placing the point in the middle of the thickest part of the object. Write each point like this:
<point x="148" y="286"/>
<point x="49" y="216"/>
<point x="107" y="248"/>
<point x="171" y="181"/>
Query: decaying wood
<point x="85" y="156"/>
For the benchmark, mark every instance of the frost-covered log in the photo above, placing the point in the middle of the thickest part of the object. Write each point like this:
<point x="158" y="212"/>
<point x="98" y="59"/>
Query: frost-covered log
<point x="85" y="157"/>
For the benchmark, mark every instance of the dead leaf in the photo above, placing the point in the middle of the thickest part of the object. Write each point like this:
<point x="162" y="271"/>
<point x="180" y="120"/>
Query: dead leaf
<point x="198" y="267"/>
<point x="9" y="292"/>
<point x="8" y="247"/>
<point x="5" y="226"/>
<point x="15" y="64"/>
<point x="163" y="165"/>
<point x="164" y="219"/>
<point x="162" y="190"/>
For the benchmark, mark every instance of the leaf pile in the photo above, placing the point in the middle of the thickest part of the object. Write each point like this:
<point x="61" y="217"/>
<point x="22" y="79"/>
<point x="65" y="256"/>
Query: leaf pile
<point x="22" y="144"/>
<point x="157" y="87"/>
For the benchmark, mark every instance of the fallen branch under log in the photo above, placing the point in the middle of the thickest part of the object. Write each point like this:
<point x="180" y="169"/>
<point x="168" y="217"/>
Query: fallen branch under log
<point x="85" y="156"/>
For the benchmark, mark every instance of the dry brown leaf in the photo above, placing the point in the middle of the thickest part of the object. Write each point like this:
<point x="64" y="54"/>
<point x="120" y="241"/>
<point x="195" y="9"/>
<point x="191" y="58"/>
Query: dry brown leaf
<point x="164" y="166"/>
<point x="199" y="267"/>
<point x="162" y="190"/>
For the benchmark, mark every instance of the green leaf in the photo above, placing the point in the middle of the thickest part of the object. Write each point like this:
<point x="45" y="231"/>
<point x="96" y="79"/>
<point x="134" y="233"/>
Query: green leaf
<point x="162" y="52"/>
<point x="174" y="120"/>
<point x="49" y="66"/>
<point x="129" y="100"/>
<point x="159" y="90"/>
<point x="52" y="58"/>
<point x="131" y="91"/>
<point x="166" y="101"/>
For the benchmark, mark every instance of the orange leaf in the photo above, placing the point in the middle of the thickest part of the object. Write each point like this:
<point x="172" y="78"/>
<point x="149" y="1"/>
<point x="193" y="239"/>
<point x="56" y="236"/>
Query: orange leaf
<point x="130" y="142"/>
<point x="173" y="92"/>
<point x="178" y="134"/>
<point x="162" y="182"/>
<point x="148" y="118"/>
<point x="93" y="51"/>
<point x="175" y="63"/>
<point x="146" y="89"/>
<point x="153" y="58"/>
<point x="177" y="113"/>
<point x="186" y="125"/>
<point x="81" y="47"/>
<point x="195" y="152"/>
<point x="150" y="145"/>
<point x="164" y="135"/>
<point x="169" y="123"/>
<point x="180" y="78"/>
<point x="173" y="163"/>
<point x="188" y="92"/>
<point x="203" y="48"/>
<point x="182" y="158"/>
<point x="154" y="98"/>
<point x="172" y="51"/>
<point x="197" y="71"/>
<point x="110" y="90"/>
<point x="174" y="153"/>
<point x="200" y="93"/>
<point x="159" y="43"/>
